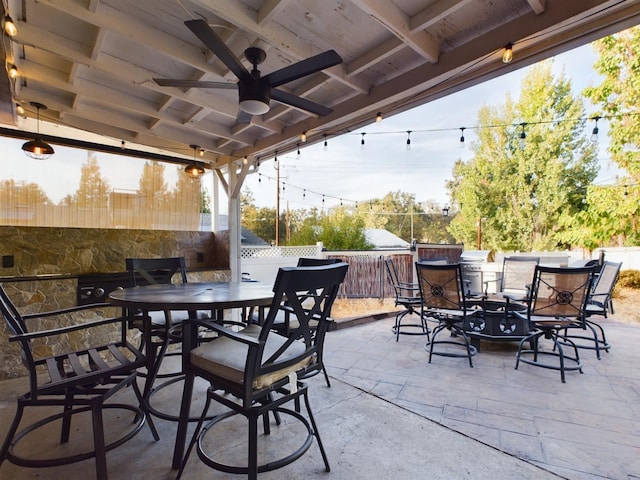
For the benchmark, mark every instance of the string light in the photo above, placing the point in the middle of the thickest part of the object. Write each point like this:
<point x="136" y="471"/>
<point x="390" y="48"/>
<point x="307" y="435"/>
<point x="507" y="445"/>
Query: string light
<point x="462" y="129"/>
<point x="362" y="140"/>
<point x="201" y="153"/>
<point x="13" y="71"/>
<point x="304" y="193"/>
<point x="507" y="55"/>
<point x="259" y="178"/>
<point x="19" y="109"/>
<point x="594" y="133"/>
<point x="303" y="137"/>
<point x="10" y="26"/>
<point x="523" y="137"/>
<point x="408" y="139"/>
<point x="379" y="117"/>
<point x="298" y="154"/>
<point x="123" y="145"/>
<point x="325" y="147"/>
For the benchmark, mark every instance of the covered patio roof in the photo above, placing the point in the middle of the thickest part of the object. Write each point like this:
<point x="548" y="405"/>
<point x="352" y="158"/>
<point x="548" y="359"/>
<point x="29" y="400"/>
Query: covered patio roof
<point x="93" y="63"/>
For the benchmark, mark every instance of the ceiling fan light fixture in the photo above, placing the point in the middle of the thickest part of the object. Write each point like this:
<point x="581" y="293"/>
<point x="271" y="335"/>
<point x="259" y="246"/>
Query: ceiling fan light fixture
<point x="254" y="107"/>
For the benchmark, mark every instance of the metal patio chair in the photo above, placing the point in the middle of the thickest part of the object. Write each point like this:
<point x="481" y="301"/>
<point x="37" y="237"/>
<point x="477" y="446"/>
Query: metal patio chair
<point x="407" y="295"/>
<point x="599" y="302"/>
<point x="164" y="326"/>
<point x="443" y="298"/>
<point x="256" y="371"/>
<point x="69" y="370"/>
<point x="559" y="297"/>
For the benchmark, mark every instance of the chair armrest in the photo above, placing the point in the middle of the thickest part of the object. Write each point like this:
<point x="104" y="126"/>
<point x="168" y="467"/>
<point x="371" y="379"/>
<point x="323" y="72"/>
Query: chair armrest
<point x="64" y="311"/>
<point x="222" y="330"/>
<point x="487" y="282"/>
<point x="66" y="329"/>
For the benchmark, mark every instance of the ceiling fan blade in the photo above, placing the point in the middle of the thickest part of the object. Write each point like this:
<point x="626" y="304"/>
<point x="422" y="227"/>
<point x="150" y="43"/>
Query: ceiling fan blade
<point x="303" y="68"/>
<point x="299" y="102"/>
<point x="205" y="33"/>
<point x="172" y="82"/>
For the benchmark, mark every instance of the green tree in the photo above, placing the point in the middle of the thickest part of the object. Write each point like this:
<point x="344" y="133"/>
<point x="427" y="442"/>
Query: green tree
<point x="153" y="192"/>
<point x="516" y="196"/>
<point x="613" y="210"/>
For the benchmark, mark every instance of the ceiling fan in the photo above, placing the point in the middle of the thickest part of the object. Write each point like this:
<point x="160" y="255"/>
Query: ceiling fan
<point x="255" y="91"/>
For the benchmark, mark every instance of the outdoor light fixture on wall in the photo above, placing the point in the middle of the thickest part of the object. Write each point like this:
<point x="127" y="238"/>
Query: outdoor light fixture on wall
<point x="507" y="55"/>
<point x="194" y="170"/>
<point x="37" y="148"/>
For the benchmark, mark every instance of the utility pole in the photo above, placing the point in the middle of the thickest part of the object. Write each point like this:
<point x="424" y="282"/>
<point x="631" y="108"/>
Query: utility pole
<point x="277" y="167"/>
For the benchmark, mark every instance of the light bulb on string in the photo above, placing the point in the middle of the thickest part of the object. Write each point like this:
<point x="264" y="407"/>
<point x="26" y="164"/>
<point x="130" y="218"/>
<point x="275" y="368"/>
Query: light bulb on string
<point x="379" y="117"/>
<point x="594" y="132"/>
<point x="304" y="193"/>
<point x="303" y="137"/>
<point x="362" y="141"/>
<point x="507" y="55"/>
<point x="523" y="137"/>
<point x="259" y="178"/>
<point x="462" y="129"/>
<point x="298" y="153"/>
<point x="408" y="139"/>
<point x="325" y="146"/>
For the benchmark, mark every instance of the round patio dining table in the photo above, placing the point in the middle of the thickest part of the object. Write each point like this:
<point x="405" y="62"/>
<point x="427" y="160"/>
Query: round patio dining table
<point x="215" y="296"/>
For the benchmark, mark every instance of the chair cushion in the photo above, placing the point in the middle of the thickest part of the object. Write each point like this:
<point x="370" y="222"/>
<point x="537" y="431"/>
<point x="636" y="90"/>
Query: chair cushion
<point x="177" y="316"/>
<point x="226" y="357"/>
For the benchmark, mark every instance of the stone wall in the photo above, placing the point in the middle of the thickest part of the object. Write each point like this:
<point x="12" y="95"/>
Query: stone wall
<point x="47" y="261"/>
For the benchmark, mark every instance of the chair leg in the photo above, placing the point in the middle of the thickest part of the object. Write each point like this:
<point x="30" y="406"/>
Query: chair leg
<point x="252" y="463"/>
<point x="316" y="433"/>
<point x="98" y="440"/>
<point x="326" y="376"/>
<point x="12" y="431"/>
<point x="66" y="419"/>
<point x="194" y="438"/>
<point x="183" y="423"/>
<point x="145" y="409"/>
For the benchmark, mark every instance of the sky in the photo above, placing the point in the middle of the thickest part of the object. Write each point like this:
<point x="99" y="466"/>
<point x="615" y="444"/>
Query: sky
<point x="344" y="172"/>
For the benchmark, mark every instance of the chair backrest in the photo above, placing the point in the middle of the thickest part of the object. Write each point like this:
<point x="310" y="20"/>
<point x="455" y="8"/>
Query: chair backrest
<point x="604" y="283"/>
<point x="12" y="317"/>
<point x="517" y="274"/>
<point x="151" y="271"/>
<point x="392" y="274"/>
<point x="560" y="292"/>
<point x="316" y="262"/>
<point x="441" y="286"/>
<point x="299" y="285"/>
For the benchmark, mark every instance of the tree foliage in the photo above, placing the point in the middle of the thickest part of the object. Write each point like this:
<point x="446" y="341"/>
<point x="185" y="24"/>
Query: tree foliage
<point x="613" y="210"/>
<point x="515" y="196"/>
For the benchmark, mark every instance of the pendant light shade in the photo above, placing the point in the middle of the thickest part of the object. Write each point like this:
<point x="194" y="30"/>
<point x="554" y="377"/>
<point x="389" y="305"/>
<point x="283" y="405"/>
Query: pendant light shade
<point x="38" y="148"/>
<point x="195" y="169"/>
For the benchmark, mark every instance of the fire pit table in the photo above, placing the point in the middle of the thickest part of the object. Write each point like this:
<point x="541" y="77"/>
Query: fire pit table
<point x="495" y="321"/>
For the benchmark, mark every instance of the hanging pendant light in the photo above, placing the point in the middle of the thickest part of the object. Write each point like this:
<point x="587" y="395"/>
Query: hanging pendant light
<point x="195" y="169"/>
<point x="38" y="148"/>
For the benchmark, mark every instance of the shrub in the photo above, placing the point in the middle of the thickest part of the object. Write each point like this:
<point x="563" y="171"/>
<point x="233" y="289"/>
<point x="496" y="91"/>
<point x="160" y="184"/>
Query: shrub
<point x="629" y="279"/>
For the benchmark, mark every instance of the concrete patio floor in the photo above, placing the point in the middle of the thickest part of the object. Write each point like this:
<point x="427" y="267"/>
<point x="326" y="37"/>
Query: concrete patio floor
<point x="390" y="414"/>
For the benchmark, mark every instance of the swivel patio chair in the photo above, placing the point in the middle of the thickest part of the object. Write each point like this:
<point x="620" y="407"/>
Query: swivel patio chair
<point x="599" y="303"/>
<point x="78" y="366"/>
<point x="286" y="323"/>
<point x="558" y="301"/>
<point x="442" y="296"/>
<point x="256" y="371"/>
<point x="513" y="289"/>
<point x="407" y="295"/>
<point x="164" y="327"/>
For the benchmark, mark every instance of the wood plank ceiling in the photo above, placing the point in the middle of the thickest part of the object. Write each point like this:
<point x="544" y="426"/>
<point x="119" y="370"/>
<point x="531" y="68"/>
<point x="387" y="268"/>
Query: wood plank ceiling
<point x="91" y="62"/>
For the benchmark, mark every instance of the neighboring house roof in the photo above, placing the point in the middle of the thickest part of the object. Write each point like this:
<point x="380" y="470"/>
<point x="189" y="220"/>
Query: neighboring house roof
<point x="247" y="237"/>
<point x="382" y="239"/>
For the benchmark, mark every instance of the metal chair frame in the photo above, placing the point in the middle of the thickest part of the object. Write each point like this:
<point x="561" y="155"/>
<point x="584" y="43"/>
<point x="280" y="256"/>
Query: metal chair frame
<point x="407" y="295"/>
<point x="287" y="361"/>
<point x="77" y="380"/>
<point x="598" y="303"/>
<point x="443" y="298"/>
<point x="559" y="296"/>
